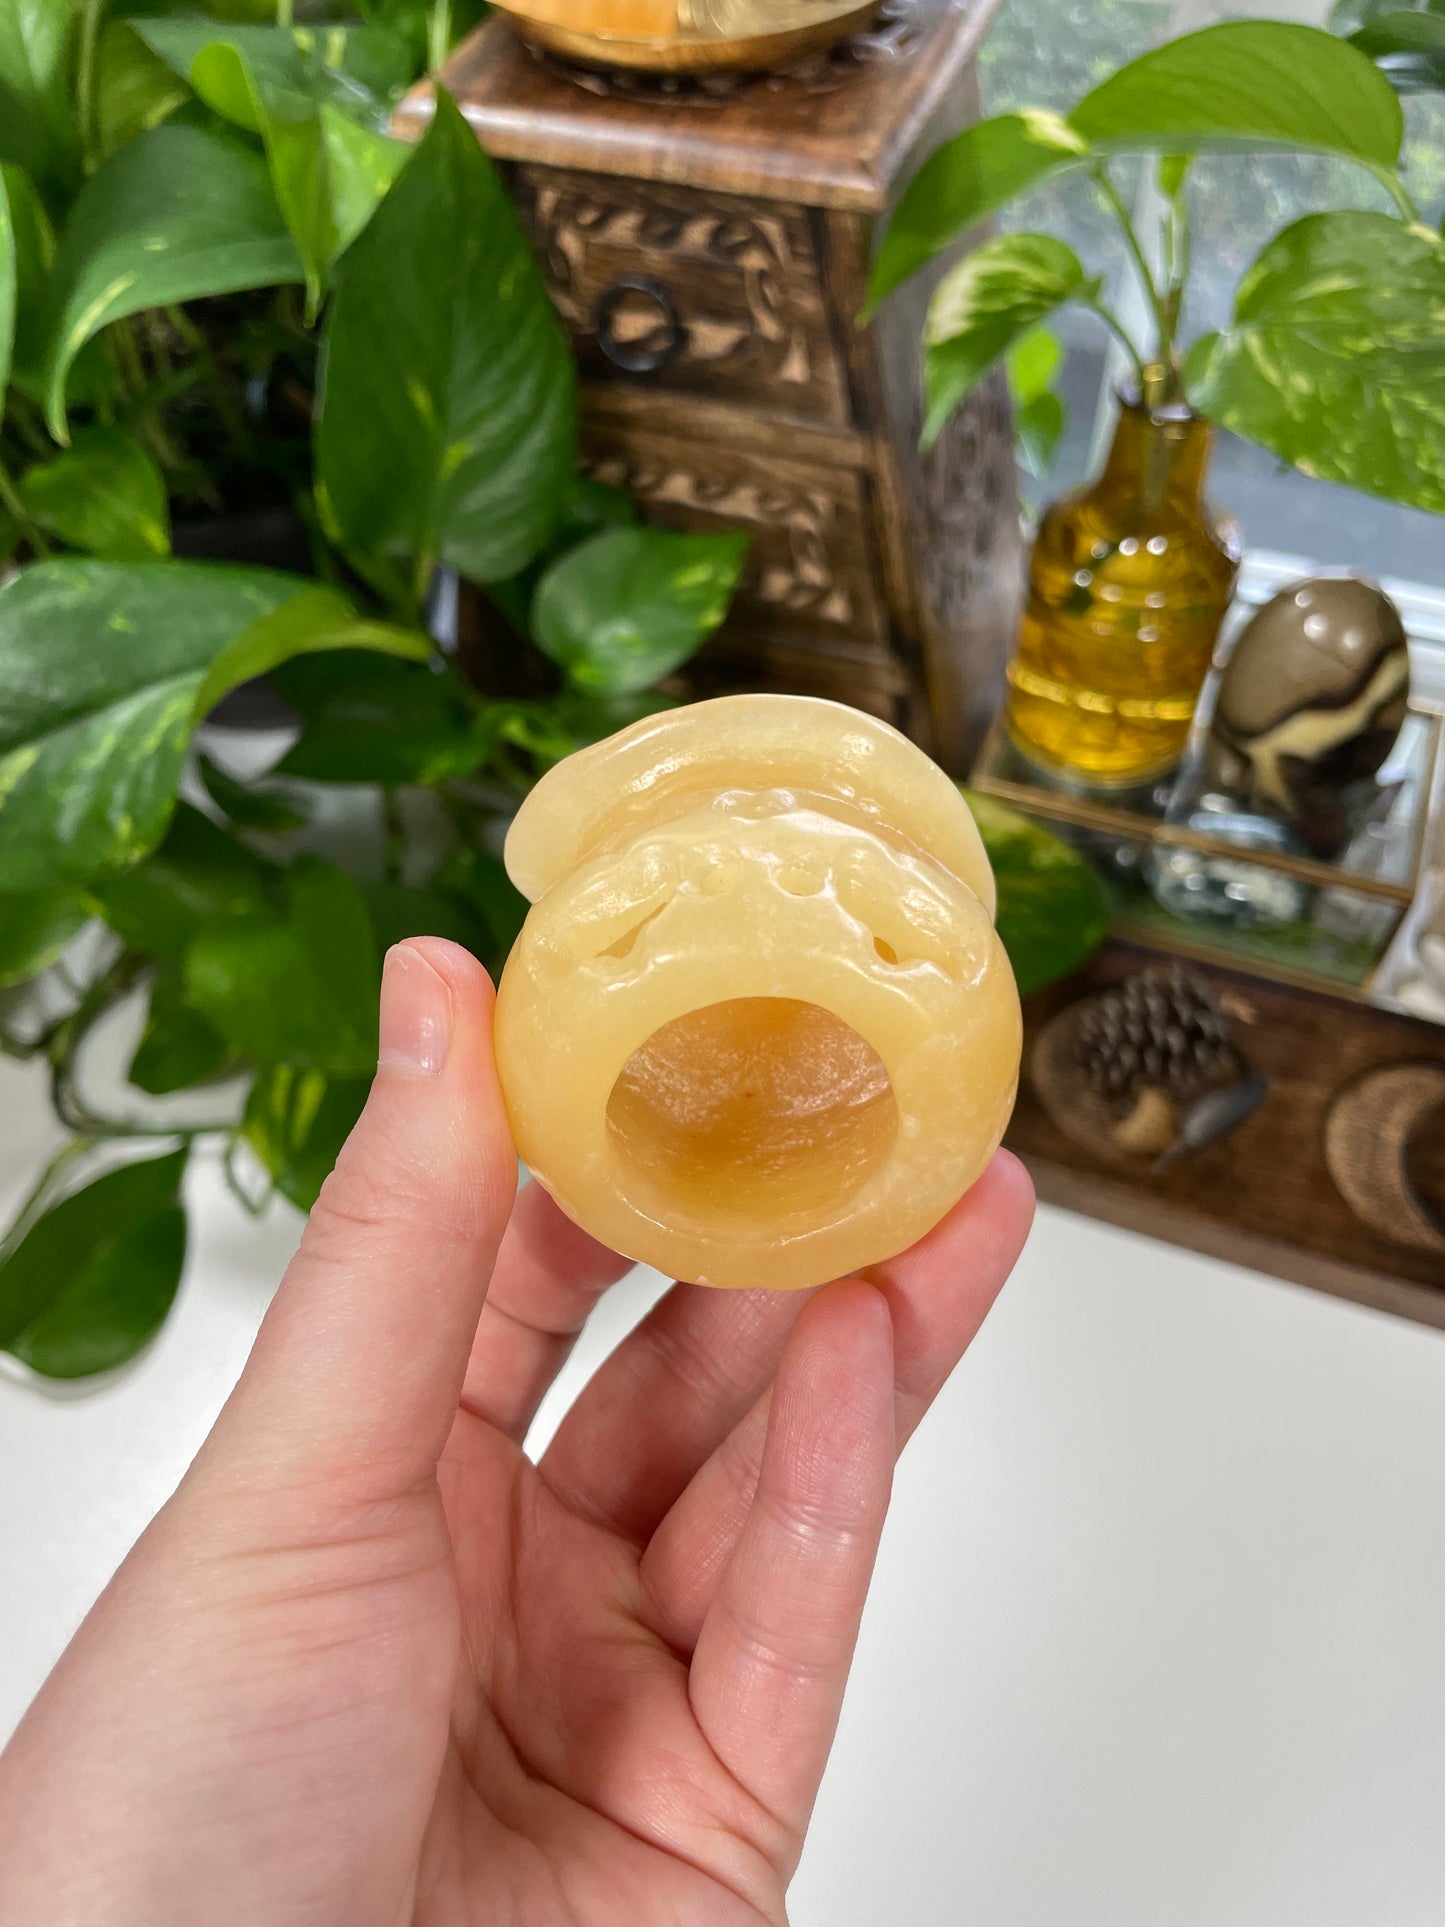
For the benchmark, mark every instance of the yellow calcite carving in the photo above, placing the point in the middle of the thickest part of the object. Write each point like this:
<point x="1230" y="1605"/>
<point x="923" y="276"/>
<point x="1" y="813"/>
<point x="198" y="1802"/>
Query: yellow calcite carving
<point x="758" y="1029"/>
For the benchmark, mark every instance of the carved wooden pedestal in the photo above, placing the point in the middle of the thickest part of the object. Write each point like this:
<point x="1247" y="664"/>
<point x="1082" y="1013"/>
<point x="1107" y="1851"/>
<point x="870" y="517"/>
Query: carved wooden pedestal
<point x="708" y="243"/>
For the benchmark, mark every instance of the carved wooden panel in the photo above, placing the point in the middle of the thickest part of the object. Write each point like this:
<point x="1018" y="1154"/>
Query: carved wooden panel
<point x="1337" y="1180"/>
<point x="712" y="296"/>
<point x="811" y="572"/>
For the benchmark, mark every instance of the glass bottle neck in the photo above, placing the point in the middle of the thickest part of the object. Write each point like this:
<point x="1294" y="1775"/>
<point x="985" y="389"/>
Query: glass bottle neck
<point x="1158" y="455"/>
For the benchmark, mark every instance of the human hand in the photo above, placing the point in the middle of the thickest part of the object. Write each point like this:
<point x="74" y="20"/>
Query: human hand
<point x="372" y="1666"/>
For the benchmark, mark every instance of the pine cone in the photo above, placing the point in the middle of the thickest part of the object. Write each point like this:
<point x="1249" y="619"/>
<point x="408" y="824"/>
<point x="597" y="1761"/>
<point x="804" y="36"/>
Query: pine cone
<point x="1161" y="1031"/>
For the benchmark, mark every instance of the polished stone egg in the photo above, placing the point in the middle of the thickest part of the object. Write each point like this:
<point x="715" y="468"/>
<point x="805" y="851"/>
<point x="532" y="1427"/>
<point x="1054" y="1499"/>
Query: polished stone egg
<point x="1311" y="703"/>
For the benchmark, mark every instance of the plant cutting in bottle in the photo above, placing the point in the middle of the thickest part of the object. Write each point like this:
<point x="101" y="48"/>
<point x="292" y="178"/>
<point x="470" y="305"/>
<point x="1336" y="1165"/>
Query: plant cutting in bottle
<point x="1335" y="357"/>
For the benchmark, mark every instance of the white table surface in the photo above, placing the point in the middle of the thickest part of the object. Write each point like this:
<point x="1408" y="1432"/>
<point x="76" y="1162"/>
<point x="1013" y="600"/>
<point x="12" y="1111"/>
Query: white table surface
<point x="1158" y="1633"/>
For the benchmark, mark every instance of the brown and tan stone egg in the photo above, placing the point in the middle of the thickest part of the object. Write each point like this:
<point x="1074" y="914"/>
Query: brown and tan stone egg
<point x="1311" y="703"/>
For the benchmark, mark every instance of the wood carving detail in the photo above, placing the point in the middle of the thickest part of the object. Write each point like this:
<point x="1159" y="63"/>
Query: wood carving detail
<point x="809" y="547"/>
<point x="1367" y="1138"/>
<point x="741" y="277"/>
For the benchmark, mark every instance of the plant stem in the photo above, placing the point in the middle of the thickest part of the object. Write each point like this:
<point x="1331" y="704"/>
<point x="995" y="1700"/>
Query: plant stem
<point x="1115" y="202"/>
<point x="283" y="13"/>
<point x="127" y="358"/>
<point x="1398" y="193"/>
<point x="15" y="508"/>
<point x="65" y="1043"/>
<point x="1117" y="328"/>
<point x="253" y="1207"/>
<point x="421" y="578"/>
<point x="439" y="34"/>
<point x="35" y="1203"/>
<point x="90" y="13"/>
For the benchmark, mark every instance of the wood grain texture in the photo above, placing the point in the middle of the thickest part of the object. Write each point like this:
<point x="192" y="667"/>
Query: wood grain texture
<point x="1267" y="1196"/>
<point x="835" y="133"/>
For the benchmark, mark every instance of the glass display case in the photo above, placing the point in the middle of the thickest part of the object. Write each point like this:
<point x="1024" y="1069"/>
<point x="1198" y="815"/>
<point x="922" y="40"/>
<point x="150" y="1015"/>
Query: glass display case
<point x="1186" y="873"/>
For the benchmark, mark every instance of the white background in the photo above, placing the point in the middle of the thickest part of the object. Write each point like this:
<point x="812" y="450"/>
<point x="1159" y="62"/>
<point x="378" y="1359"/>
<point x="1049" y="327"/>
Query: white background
<point x="1158" y="1635"/>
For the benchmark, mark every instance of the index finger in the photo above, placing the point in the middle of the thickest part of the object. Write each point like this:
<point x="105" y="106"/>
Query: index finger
<point x="939" y="1293"/>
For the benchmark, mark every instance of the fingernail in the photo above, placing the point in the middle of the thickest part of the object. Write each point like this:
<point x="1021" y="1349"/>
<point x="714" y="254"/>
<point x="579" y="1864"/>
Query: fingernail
<point x="416" y="1014"/>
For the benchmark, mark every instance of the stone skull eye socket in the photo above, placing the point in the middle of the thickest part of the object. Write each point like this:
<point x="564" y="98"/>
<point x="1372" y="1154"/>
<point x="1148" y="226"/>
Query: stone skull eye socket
<point x="755" y="1103"/>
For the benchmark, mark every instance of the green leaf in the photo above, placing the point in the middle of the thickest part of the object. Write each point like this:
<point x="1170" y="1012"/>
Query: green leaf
<point x="626" y="608"/>
<point x="1409" y="47"/>
<point x="134" y="89"/>
<point x="103" y="494"/>
<point x="989" y="302"/>
<point x="589" y="719"/>
<point x="1173" y="171"/>
<point x="93" y="1277"/>
<point x="330" y="160"/>
<point x="35" y="927"/>
<point x="587" y="508"/>
<point x="447" y="427"/>
<point x="1038" y="428"/>
<point x="1248" y="83"/>
<point x="361" y="70"/>
<point x="105" y="670"/>
<point x="199" y="875"/>
<point x="481" y="883"/>
<point x="180" y="213"/>
<point x="36" y="127"/>
<point x="1336" y="357"/>
<point x="358" y="166"/>
<point x="1039" y="414"/>
<point x="1033" y="363"/>
<point x="366" y="720"/>
<point x="970" y="177"/>
<point x="300" y="988"/>
<point x="178" y="1047"/>
<point x="399" y="911"/>
<point x="33" y="244"/>
<point x="296" y="1122"/>
<point x="1052" y="912"/>
<point x="248" y="807"/>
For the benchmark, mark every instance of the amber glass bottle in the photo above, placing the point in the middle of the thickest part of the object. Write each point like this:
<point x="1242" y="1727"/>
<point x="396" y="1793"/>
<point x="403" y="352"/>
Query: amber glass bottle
<point x="1128" y="585"/>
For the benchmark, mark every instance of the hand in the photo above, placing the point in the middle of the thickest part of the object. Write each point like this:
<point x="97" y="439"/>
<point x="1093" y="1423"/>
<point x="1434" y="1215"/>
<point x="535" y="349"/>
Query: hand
<point x="373" y="1666"/>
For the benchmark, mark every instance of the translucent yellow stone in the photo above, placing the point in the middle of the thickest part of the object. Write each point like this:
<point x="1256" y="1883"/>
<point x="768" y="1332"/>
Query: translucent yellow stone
<point x="758" y="1028"/>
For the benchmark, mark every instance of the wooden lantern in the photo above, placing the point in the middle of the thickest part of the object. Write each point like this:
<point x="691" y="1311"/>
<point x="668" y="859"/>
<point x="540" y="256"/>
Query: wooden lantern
<point x="708" y="243"/>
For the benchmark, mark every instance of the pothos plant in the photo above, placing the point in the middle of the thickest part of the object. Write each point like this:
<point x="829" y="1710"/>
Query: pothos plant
<point x="1335" y="357"/>
<point x="224" y="288"/>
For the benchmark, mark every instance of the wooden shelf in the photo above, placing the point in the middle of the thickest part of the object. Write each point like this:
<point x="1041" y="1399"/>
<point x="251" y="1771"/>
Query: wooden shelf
<point x="1336" y="1182"/>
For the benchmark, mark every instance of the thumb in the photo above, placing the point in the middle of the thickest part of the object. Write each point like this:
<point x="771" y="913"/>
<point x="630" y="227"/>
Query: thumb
<point x="359" y="1364"/>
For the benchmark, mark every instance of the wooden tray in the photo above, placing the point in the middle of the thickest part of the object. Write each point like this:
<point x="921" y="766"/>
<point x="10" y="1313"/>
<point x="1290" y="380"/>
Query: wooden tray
<point x="1337" y="1181"/>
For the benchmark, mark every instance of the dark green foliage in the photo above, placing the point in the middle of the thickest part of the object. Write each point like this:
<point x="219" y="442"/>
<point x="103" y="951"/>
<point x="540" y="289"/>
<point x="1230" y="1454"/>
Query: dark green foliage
<point x="229" y="297"/>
